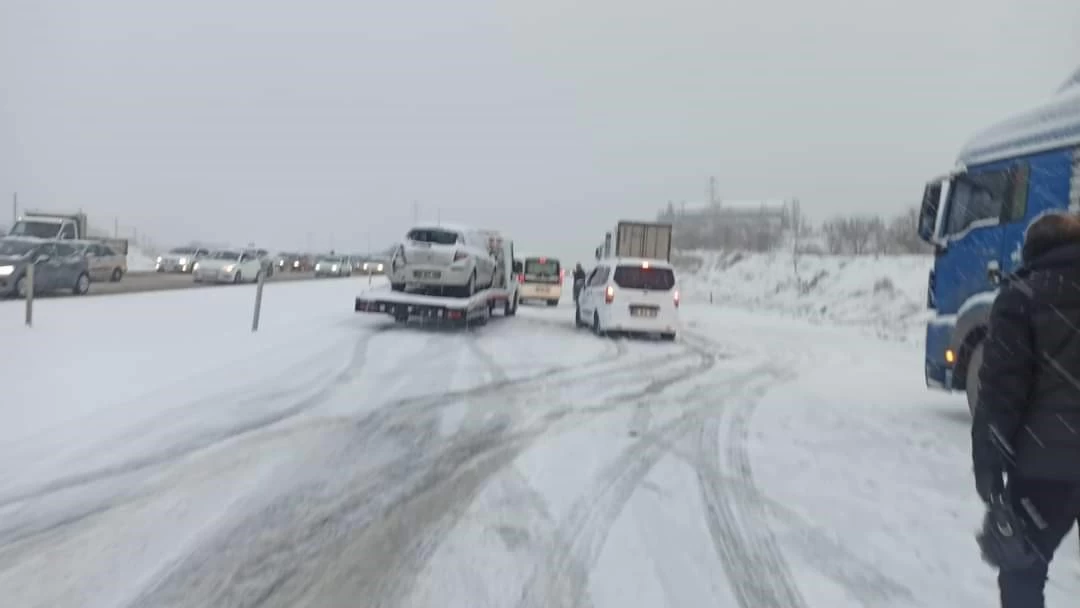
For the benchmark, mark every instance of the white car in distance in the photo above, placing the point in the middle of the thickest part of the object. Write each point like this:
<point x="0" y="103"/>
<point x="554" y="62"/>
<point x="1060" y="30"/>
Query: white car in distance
<point x="228" y="266"/>
<point x="630" y="296"/>
<point x="444" y="257"/>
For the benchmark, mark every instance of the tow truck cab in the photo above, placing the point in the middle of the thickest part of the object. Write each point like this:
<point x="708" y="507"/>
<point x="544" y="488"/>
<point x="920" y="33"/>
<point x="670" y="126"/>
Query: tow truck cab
<point x="975" y="218"/>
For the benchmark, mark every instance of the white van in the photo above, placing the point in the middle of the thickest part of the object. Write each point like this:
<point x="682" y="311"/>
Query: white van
<point x="630" y="295"/>
<point x="541" y="279"/>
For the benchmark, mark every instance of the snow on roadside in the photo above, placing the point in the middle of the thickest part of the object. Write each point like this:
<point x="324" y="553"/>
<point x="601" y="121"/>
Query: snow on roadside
<point x="886" y="294"/>
<point x="92" y="370"/>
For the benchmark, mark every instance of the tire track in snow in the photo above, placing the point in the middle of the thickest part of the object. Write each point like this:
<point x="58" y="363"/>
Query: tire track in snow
<point x="756" y="570"/>
<point x="562" y="578"/>
<point x="174" y="452"/>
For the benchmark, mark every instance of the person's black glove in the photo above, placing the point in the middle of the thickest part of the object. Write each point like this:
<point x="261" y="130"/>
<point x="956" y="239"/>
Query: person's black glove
<point x="989" y="483"/>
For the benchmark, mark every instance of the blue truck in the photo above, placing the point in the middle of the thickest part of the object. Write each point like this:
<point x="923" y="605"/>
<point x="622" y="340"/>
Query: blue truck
<point x="975" y="218"/>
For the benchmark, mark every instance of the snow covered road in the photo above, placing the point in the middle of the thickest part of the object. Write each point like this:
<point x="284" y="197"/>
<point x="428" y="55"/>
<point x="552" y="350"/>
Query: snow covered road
<point x="335" y="459"/>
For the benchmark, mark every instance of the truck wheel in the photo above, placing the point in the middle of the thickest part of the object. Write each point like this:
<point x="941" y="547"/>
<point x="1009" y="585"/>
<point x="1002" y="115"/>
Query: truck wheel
<point x="117" y="274"/>
<point x="578" y="321"/>
<point x="596" y="329"/>
<point x="397" y="287"/>
<point x="82" y="285"/>
<point x="552" y="302"/>
<point x="971" y="382"/>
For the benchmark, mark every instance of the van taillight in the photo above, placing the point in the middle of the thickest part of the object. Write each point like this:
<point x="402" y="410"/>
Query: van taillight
<point x="676" y="297"/>
<point x="609" y="295"/>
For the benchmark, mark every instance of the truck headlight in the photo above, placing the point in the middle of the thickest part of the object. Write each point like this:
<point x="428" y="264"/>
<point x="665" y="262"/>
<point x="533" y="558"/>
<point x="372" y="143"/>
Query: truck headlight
<point x="183" y="261"/>
<point x="379" y="267"/>
<point x="318" y="266"/>
<point x="333" y="268"/>
<point x="230" y="268"/>
<point x="159" y="259"/>
<point x="6" y="270"/>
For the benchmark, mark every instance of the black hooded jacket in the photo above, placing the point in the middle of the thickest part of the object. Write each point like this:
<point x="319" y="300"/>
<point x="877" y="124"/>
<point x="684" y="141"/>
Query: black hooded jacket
<point x="1027" y="420"/>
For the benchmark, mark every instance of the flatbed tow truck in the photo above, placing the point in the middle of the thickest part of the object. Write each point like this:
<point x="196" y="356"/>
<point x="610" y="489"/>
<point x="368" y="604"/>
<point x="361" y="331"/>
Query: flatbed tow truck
<point x="432" y="307"/>
<point x="462" y="312"/>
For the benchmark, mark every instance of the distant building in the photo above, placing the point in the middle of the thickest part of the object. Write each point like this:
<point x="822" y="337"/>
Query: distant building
<point x="755" y="225"/>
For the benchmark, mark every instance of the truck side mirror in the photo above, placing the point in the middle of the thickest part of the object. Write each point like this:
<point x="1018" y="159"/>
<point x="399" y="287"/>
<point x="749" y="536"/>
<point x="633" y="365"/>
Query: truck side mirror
<point x="928" y="211"/>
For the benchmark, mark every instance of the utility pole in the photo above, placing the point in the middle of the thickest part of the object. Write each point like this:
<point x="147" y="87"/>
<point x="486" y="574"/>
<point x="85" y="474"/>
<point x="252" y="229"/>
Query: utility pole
<point x="415" y="212"/>
<point x="712" y="190"/>
<point x="14" y="208"/>
<point x="438" y="217"/>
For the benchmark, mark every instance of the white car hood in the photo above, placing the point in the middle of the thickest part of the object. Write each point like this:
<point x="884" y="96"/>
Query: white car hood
<point x="205" y="264"/>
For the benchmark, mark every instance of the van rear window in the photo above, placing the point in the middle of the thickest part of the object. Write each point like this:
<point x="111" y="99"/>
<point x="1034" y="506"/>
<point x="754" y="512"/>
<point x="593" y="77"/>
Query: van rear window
<point x="428" y="235"/>
<point x="549" y="267"/>
<point x="636" y="277"/>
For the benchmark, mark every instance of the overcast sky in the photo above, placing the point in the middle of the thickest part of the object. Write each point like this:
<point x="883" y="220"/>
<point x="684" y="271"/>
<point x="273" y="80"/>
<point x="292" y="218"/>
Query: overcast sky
<point x="279" y="122"/>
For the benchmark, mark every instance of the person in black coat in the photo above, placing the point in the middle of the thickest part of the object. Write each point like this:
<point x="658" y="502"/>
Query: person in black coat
<point x="1026" y="424"/>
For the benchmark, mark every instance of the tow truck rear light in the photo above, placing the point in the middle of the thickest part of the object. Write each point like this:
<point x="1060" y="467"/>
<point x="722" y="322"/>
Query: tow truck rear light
<point x="676" y="298"/>
<point x="609" y="295"/>
<point x="460" y="255"/>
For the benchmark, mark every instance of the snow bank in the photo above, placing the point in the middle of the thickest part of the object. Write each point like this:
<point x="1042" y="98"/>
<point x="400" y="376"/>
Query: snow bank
<point x="139" y="260"/>
<point x="884" y="293"/>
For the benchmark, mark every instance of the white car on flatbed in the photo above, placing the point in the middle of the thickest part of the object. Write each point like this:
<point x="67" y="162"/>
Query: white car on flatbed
<point x="227" y="266"/>
<point x="414" y="301"/>
<point x="630" y="296"/>
<point x="457" y="260"/>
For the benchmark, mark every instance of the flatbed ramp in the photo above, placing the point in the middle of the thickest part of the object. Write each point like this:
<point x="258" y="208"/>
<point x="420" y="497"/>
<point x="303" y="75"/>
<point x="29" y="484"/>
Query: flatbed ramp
<point x="405" y="306"/>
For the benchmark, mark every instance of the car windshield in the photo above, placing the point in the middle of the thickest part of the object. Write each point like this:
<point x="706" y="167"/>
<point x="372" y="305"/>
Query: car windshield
<point x="14" y="248"/>
<point x="225" y="255"/>
<point x="433" y="235"/>
<point x="183" y="251"/>
<point x="647" y="278"/>
<point x="329" y="260"/>
<point x="544" y="267"/>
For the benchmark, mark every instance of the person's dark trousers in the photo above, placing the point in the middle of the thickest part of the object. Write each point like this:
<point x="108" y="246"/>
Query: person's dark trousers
<point x="1057" y="504"/>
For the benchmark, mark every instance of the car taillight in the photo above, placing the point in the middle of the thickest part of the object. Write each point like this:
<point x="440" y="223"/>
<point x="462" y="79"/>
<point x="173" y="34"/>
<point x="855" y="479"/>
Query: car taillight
<point x="676" y="297"/>
<point x="609" y="295"/>
<point x="562" y="275"/>
<point x="521" y="278"/>
<point x="460" y="255"/>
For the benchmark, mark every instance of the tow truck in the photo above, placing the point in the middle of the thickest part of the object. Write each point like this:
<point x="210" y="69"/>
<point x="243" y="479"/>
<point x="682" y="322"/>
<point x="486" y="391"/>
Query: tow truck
<point x="433" y="307"/>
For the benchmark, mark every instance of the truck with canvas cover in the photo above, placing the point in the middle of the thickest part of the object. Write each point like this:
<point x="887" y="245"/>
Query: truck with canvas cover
<point x="642" y="240"/>
<point x="975" y="217"/>
<point x="61" y="226"/>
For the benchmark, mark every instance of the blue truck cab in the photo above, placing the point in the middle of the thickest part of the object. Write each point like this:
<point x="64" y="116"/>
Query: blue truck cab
<point x="975" y="218"/>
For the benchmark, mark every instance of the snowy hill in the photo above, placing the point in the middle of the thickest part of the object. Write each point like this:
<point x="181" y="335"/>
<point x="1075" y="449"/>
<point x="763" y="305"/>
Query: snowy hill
<point x="884" y="293"/>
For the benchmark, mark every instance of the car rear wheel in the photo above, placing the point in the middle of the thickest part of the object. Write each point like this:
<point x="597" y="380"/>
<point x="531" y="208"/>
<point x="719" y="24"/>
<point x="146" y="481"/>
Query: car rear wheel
<point x="82" y="285"/>
<point x="596" y="329"/>
<point x="971" y="381"/>
<point x="670" y="337"/>
<point x="237" y="278"/>
<point x="578" y="321"/>
<point x="22" y="286"/>
<point x="397" y="287"/>
<point x="117" y="274"/>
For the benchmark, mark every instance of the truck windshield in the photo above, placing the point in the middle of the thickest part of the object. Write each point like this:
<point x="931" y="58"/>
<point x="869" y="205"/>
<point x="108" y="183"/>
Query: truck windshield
<point x="636" y="277"/>
<point x="433" y="235"/>
<point x="41" y="230"/>
<point x="183" y="250"/>
<point x="11" y="248"/>
<point x="225" y="255"/>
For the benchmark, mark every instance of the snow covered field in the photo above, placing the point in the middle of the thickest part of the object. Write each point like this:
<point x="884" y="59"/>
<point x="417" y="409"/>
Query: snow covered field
<point x="155" y="452"/>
